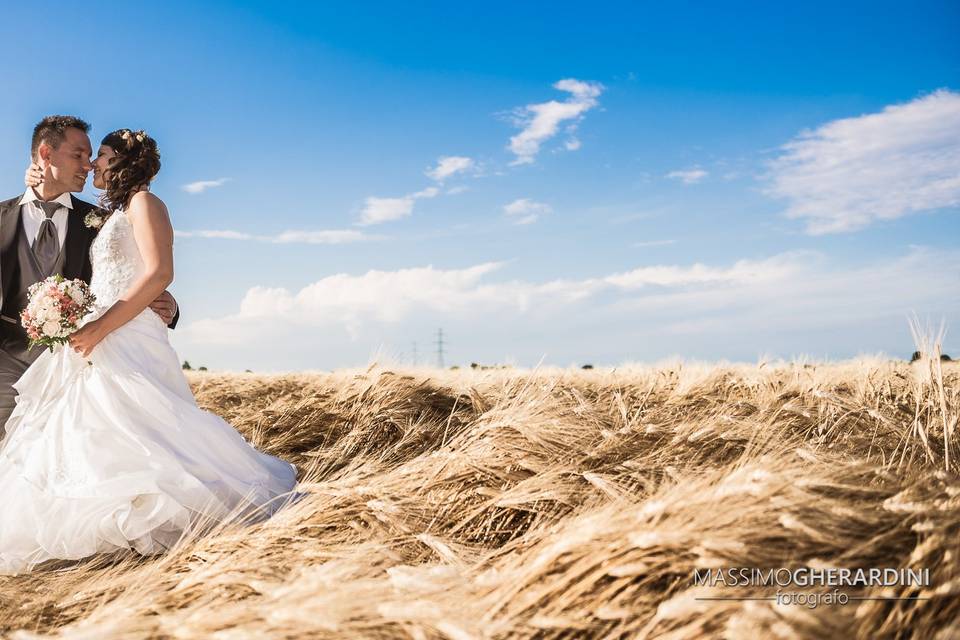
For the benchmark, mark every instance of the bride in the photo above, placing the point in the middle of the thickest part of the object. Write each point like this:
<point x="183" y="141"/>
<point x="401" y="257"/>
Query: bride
<point x="107" y="449"/>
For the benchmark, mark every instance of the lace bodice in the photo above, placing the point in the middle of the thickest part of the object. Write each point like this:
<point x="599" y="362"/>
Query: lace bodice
<point x="115" y="260"/>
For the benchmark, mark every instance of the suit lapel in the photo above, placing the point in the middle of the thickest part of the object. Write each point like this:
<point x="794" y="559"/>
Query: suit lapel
<point x="76" y="244"/>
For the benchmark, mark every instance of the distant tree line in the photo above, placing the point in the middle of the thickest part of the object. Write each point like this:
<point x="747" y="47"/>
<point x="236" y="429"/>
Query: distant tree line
<point x="917" y="355"/>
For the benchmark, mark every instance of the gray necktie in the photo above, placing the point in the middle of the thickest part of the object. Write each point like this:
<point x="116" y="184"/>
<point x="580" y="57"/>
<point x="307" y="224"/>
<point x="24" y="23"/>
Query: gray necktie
<point x="46" y="247"/>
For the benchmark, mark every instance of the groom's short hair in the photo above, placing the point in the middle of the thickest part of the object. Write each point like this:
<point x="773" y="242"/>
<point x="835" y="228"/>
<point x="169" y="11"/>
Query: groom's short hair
<point x="51" y="130"/>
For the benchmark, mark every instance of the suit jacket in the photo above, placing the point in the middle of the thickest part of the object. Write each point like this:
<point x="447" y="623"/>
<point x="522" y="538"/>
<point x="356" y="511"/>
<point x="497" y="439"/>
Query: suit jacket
<point x="77" y="244"/>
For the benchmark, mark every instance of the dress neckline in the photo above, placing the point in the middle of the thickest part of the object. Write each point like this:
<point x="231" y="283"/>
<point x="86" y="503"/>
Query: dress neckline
<point x="121" y="213"/>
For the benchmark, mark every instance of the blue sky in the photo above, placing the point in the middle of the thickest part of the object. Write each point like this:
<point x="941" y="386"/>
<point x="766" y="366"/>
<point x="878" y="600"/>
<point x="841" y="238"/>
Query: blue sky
<point x="704" y="181"/>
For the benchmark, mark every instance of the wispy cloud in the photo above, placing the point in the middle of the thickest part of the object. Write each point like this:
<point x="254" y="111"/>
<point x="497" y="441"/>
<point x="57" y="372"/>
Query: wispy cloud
<point x="448" y="166"/>
<point x="429" y="192"/>
<point x="688" y="176"/>
<point x="331" y="236"/>
<point x="654" y="243"/>
<point x="526" y="211"/>
<point x="202" y="185"/>
<point x="541" y="121"/>
<point x="851" y="172"/>
<point x="741" y="272"/>
<point x="379" y="210"/>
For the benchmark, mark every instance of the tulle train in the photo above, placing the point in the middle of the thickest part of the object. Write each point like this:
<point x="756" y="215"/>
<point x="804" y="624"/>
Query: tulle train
<point x="116" y="454"/>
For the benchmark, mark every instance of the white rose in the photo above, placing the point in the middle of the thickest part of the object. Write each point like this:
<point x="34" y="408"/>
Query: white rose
<point x="47" y="312"/>
<point x="51" y="328"/>
<point x="76" y="293"/>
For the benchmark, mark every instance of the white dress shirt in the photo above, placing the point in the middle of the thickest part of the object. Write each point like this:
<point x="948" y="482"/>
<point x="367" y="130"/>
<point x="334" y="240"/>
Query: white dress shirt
<point x="33" y="215"/>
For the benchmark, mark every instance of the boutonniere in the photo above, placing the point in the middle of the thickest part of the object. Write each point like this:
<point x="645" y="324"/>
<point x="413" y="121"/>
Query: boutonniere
<point x="94" y="220"/>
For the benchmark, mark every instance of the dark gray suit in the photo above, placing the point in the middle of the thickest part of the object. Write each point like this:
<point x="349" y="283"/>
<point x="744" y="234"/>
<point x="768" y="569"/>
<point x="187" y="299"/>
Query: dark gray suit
<point x="18" y="270"/>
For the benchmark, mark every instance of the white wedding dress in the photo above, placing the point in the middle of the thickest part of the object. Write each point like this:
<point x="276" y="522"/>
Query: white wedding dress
<point x="116" y="454"/>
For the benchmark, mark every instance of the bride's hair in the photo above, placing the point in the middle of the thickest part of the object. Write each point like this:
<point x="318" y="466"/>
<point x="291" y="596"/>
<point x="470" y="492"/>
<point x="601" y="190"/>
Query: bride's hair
<point x="135" y="165"/>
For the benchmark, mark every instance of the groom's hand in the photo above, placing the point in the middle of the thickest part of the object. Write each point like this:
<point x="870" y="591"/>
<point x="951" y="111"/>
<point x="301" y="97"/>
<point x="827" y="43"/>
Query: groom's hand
<point x="165" y="307"/>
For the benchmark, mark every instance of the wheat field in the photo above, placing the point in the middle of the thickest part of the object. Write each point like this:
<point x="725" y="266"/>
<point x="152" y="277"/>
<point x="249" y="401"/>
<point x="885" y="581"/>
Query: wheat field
<point x="552" y="503"/>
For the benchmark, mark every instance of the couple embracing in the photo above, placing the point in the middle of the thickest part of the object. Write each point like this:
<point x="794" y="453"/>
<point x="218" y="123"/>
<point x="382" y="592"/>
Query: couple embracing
<point x="104" y="447"/>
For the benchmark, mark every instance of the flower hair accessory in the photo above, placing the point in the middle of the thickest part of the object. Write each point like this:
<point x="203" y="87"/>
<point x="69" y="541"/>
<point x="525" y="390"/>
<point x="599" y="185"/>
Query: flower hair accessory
<point x="127" y="135"/>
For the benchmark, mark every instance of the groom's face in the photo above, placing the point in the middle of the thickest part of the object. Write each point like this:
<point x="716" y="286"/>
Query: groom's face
<point x="67" y="166"/>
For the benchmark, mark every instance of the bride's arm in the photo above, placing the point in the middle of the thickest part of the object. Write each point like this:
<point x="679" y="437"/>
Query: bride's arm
<point x="154" y="235"/>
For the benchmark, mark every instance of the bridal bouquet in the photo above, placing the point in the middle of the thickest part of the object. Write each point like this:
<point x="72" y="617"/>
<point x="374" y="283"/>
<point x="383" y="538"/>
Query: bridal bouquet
<point x="56" y="306"/>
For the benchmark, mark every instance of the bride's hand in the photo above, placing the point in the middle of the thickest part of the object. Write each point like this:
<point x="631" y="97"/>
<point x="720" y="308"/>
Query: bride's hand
<point x="84" y="339"/>
<point x="34" y="175"/>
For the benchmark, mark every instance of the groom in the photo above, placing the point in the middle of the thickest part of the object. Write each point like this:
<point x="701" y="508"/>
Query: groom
<point x="43" y="233"/>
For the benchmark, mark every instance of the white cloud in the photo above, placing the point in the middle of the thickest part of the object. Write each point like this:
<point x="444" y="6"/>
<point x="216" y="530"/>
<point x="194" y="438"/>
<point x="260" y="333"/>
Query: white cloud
<point x="851" y="172"/>
<point x="813" y="295"/>
<point x="688" y="176"/>
<point x="389" y="296"/>
<point x="378" y="296"/>
<point x="331" y="236"/>
<point x="526" y="211"/>
<point x="448" y="166"/>
<point x="741" y="272"/>
<point x="378" y="210"/>
<point x="791" y="303"/>
<point x="429" y="192"/>
<point x="202" y="185"/>
<point x="541" y="121"/>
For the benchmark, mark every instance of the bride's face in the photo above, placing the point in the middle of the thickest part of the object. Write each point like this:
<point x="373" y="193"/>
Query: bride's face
<point x="105" y="156"/>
